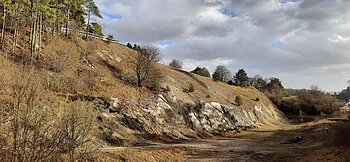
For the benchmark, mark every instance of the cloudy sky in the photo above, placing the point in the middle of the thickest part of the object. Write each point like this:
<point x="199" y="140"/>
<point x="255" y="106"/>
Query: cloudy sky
<point x="302" y="42"/>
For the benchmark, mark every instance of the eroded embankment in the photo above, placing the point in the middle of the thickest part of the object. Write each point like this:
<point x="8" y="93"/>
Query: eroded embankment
<point x="168" y="119"/>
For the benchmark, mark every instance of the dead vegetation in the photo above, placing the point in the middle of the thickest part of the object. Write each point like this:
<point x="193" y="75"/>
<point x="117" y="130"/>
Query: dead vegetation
<point x="38" y="127"/>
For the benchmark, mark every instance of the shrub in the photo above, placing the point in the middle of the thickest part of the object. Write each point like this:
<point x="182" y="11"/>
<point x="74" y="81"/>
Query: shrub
<point x="190" y="88"/>
<point x="110" y="39"/>
<point x="167" y="88"/>
<point x="239" y="100"/>
<point x="40" y="127"/>
<point x="257" y="99"/>
<point x="208" y="96"/>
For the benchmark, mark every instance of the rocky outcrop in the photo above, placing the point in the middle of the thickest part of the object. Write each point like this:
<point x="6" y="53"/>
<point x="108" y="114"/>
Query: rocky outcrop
<point x="215" y="117"/>
<point x="170" y="120"/>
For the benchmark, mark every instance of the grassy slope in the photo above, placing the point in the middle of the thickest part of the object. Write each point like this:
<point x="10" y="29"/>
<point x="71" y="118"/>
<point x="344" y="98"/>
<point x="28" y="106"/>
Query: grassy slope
<point x="95" y="68"/>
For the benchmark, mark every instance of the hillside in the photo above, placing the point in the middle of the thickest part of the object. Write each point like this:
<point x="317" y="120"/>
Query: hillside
<point x="101" y="73"/>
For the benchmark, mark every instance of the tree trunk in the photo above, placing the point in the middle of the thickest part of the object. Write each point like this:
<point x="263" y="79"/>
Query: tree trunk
<point x="15" y="37"/>
<point x="3" y="28"/>
<point x="34" y="31"/>
<point x="67" y="22"/>
<point x="88" y="24"/>
<point x="40" y="34"/>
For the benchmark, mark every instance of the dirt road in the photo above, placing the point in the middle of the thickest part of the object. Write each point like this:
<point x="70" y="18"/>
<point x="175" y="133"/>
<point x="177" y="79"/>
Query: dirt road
<point x="305" y="142"/>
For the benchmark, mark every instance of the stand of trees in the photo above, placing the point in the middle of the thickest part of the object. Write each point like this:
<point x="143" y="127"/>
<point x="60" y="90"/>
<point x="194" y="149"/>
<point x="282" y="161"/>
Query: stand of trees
<point x="32" y="19"/>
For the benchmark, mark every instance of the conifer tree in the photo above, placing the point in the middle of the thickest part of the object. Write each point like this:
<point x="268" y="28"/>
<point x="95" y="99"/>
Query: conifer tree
<point x="92" y="10"/>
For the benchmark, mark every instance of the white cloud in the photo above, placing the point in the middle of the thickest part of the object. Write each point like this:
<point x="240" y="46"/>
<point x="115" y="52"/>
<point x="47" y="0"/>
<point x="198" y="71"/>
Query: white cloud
<point x="296" y="40"/>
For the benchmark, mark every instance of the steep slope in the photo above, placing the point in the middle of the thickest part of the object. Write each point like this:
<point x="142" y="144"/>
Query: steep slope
<point x="102" y="74"/>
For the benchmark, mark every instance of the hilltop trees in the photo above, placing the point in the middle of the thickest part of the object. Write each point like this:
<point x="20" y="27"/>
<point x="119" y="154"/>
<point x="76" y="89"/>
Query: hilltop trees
<point x="176" y="64"/>
<point x="91" y="9"/>
<point x="34" y="19"/>
<point x="274" y="85"/>
<point x="96" y="29"/>
<point x="221" y="74"/>
<point x="258" y="82"/>
<point x="241" y="78"/>
<point x="201" y="71"/>
<point x="73" y="9"/>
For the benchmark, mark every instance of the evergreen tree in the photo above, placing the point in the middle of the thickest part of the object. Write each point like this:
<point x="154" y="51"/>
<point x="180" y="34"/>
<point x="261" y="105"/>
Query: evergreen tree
<point x="91" y="9"/>
<point x="96" y="29"/>
<point x="275" y="85"/>
<point x="241" y="78"/>
<point x="129" y="46"/>
<point x="201" y="71"/>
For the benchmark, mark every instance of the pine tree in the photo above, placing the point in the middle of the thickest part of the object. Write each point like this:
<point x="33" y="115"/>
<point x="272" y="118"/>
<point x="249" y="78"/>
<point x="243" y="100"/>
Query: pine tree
<point x="91" y="9"/>
<point x="241" y="78"/>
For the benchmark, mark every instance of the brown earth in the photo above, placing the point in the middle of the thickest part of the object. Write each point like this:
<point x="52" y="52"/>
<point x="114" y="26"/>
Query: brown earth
<point x="318" y="144"/>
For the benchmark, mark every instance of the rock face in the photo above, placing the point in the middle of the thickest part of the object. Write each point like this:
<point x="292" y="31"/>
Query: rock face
<point x="214" y="117"/>
<point x="169" y="119"/>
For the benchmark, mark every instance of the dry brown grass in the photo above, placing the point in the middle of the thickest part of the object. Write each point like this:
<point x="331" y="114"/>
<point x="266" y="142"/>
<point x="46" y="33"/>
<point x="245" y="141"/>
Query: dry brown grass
<point x="96" y="68"/>
<point x="141" y="155"/>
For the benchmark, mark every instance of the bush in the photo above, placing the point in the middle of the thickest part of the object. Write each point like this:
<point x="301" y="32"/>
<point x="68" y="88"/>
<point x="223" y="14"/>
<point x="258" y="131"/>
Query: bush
<point x="167" y="88"/>
<point x="110" y="39"/>
<point x="312" y="102"/>
<point x="40" y="127"/>
<point x="239" y="100"/>
<point x="257" y="99"/>
<point x="190" y="88"/>
<point x="208" y="96"/>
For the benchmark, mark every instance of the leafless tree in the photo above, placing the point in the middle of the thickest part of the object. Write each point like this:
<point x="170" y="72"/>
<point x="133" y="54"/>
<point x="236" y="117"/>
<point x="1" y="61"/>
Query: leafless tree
<point x="176" y="64"/>
<point x="222" y="74"/>
<point x="144" y="65"/>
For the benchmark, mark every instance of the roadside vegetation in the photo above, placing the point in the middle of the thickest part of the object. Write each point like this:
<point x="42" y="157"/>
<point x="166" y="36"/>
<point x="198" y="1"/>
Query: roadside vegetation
<point x="39" y="126"/>
<point x="312" y="101"/>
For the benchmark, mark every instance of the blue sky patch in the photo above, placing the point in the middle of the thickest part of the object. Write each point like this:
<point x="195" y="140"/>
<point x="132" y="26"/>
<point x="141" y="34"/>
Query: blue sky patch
<point x="166" y="42"/>
<point x="111" y="16"/>
<point x="277" y="44"/>
<point x="228" y="12"/>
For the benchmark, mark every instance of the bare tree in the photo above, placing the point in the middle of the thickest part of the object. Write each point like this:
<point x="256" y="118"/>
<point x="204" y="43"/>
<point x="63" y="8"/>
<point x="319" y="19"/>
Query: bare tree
<point x="176" y="64"/>
<point x="222" y="74"/>
<point x="144" y="65"/>
<point x="257" y="81"/>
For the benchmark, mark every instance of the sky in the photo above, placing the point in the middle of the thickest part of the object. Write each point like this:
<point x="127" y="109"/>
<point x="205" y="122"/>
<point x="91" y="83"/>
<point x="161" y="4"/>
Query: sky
<point x="302" y="42"/>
